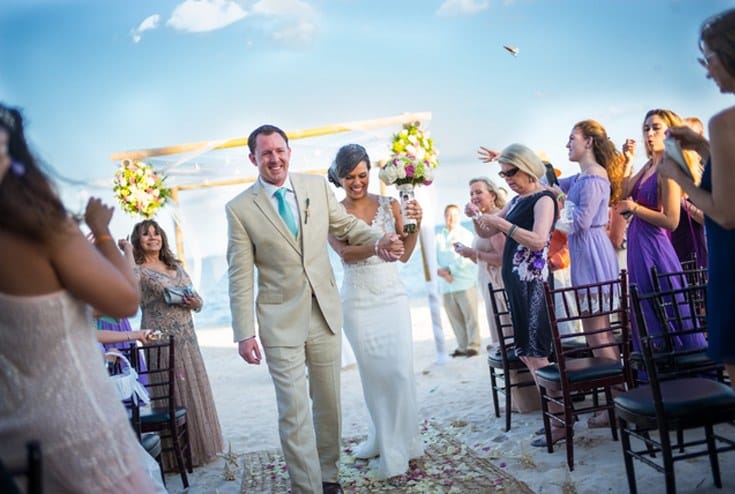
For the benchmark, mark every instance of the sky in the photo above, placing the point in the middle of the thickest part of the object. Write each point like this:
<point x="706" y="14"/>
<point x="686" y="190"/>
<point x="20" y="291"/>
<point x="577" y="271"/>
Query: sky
<point x="95" y="77"/>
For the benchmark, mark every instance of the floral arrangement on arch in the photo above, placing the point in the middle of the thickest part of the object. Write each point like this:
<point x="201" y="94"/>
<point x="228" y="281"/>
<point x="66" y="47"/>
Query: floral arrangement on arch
<point x="413" y="158"/>
<point x="139" y="189"/>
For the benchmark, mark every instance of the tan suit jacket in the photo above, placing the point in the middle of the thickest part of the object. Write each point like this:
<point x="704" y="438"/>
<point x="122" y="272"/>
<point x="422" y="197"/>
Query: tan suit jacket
<point x="290" y="269"/>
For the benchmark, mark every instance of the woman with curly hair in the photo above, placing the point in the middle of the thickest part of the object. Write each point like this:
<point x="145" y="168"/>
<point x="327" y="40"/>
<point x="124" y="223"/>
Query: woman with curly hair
<point x="157" y="269"/>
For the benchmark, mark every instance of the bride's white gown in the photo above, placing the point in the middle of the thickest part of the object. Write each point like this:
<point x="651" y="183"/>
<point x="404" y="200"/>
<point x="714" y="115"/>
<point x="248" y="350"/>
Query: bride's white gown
<point x="377" y="323"/>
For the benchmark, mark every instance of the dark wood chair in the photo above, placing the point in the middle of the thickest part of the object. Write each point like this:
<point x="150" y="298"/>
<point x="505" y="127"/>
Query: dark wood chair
<point x="571" y="374"/>
<point x="502" y="360"/>
<point x="32" y="471"/>
<point x="150" y="441"/>
<point x="163" y="416"/>
<point x="679" y="395"/>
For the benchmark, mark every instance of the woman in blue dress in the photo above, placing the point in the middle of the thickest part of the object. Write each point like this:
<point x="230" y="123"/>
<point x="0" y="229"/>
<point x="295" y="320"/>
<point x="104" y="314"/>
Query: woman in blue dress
<point x="714" y="195"/>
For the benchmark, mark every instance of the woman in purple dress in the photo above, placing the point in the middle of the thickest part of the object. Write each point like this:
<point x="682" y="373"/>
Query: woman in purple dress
<point x="593" y="258"/>
<point x="655" y="205"/>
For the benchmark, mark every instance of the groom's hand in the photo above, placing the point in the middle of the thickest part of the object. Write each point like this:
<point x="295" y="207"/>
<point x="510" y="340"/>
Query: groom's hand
<point x="249" y="351"/>
<point x="390" y="247"/>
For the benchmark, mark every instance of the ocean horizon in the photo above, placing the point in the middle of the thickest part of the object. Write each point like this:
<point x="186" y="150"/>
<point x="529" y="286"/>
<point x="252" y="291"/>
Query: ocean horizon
<point x="212" y="284"/>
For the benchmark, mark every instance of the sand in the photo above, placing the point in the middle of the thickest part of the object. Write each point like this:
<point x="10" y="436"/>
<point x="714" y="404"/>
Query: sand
<point x="455" y="396"/>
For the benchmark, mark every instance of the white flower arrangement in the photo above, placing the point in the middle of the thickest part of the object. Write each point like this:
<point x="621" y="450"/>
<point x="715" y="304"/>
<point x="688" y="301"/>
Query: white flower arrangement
<point x="139" y="189"/>
<point x="413" y="158"/>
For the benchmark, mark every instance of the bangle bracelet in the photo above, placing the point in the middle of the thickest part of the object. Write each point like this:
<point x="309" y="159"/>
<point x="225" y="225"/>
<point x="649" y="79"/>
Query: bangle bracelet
<point x="512" y="230"/>
<point x="102" y="238"/>
<point x="561" y="196"/>
<point x="375" y="247"/>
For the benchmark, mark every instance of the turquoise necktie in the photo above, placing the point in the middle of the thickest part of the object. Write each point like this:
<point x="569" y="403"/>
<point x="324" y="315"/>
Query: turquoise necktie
<point x="285" y="211"/>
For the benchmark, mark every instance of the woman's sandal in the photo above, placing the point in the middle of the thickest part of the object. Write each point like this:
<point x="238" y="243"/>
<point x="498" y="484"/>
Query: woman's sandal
<point x="540" y="442"/>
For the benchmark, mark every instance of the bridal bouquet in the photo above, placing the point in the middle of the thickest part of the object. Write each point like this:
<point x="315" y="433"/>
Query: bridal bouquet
<point x="139" y="189"/>
<point x="413" y="158"/>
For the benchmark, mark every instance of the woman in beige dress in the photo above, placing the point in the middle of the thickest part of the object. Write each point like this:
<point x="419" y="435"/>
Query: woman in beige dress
<point x="488" y="254"/>
<point x="158" y="269"/>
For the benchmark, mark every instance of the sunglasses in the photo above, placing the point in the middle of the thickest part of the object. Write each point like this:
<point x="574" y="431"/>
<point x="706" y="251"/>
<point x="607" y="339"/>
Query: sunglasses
<point x="706" y="59"/>
<point x="509" y="173"/>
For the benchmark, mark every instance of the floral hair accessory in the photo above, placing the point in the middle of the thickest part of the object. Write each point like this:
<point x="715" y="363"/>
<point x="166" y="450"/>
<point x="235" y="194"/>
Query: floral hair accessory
<point x="413" y="158"/>
<point x="18" y="168"/>
<point x="139" y="189"/>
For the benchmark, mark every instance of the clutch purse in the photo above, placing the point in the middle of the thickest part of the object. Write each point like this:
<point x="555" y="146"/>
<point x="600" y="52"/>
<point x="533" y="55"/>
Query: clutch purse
<point x="174" y="295"/>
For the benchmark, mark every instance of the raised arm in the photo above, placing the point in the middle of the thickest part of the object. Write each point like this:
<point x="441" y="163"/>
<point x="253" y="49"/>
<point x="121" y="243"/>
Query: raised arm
<point x="95" y="272"/>
<point x="716" y="204"/>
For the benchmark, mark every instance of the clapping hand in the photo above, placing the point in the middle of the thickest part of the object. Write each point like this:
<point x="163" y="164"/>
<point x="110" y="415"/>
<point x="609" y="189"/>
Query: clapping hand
<point x="487" y="155"/>
<point x="97" y="216"/>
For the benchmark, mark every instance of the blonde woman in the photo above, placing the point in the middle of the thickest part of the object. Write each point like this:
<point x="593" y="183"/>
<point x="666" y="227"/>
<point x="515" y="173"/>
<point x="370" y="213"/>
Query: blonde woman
<point x="486" y="252"/>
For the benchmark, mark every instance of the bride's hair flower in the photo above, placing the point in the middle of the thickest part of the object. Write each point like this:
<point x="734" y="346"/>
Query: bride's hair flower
<point x="139" y="189"/>
<point x="413" y="158"/>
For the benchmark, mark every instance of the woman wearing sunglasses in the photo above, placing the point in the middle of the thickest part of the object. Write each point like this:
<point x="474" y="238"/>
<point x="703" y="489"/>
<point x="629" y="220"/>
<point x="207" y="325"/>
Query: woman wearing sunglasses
<point x="527" y="221"/>
<point x="714" y="195"/>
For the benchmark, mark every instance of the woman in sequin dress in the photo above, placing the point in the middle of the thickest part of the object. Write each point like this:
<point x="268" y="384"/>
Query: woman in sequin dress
<point x="158" y="269"/>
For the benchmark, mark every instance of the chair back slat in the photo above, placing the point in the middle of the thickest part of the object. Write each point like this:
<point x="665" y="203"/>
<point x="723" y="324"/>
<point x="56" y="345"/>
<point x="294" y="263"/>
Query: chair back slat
<point x="582" y="302"/>
<point x="677" y="313"/>
<point x="503" y="322"/>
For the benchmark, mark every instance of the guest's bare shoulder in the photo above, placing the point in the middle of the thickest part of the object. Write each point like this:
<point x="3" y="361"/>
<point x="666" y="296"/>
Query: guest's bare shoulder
<point x="724" y="119"/>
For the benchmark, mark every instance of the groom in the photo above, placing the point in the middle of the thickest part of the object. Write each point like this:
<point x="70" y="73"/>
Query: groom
<point x="279" y="225"/>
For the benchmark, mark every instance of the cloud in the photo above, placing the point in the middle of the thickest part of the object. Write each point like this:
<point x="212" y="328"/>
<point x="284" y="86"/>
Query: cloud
<point x="150" y="22"/>
<point x="296" y="8"/>
<point x="295" y="20"/>
<point x="462" y="7"/>
<point x="196" y="16"/>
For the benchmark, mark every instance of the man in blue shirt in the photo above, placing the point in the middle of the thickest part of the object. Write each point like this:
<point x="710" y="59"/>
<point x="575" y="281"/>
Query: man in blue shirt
<point x="458" y="283"/>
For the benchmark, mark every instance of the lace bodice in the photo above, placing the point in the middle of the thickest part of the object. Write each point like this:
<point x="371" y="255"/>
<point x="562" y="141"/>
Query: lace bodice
<point x="373" y="273"/>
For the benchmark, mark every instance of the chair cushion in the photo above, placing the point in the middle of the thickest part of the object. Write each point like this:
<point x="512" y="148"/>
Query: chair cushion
<point x="680" y="397"/>
<point x="160" y="415"/>
<point x="495" y="359"/>
<point x="151" y="442"/>
<point x="582" y="369"/>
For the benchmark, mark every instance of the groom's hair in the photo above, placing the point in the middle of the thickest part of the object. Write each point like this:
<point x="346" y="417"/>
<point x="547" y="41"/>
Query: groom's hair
<point x="267" y="130"/>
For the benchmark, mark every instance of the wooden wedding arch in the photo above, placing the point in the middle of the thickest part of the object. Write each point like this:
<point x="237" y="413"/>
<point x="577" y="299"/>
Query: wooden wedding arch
<point x="195" y="149"/>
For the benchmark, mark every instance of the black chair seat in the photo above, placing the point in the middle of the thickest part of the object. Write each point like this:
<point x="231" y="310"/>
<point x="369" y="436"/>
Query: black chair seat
<point x="681" y="397"/>
<point x="581" y="369"/>
<point x="496" y="359"/>
<point x="157" y="415"/>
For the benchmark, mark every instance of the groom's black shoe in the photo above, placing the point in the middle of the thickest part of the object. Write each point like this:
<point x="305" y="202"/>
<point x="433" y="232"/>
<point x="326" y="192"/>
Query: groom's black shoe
<point x="331" y="488"/>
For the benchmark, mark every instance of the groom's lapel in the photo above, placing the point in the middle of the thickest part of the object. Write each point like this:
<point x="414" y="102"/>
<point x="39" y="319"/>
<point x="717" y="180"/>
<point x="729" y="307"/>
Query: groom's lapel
<point x="266" y="207"/>
<point x="301" y="190"/>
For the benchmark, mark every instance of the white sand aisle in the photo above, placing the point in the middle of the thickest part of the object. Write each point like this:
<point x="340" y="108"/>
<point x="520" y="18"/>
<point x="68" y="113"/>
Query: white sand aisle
<point x="456" y="396"/>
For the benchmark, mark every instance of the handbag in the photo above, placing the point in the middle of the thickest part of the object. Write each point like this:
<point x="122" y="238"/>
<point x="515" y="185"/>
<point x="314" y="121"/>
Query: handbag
<point x="174" y="295"/>
<point x="126" y="381"/>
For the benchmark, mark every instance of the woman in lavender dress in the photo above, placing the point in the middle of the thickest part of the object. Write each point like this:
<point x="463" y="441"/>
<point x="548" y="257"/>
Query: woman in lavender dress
<point x="593" y="258"/>
<point x="655" y="206"/>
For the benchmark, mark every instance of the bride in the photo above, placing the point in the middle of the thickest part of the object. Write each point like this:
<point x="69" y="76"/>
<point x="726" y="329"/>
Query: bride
<point x="377" y="320"/>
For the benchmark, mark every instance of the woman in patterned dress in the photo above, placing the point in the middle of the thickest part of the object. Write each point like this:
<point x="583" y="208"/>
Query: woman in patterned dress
<point x="158" y="269"/>
<point x="527" y="221"/>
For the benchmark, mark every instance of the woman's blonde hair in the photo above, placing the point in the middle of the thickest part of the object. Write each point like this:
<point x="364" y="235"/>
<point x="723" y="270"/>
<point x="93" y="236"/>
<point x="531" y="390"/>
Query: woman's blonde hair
<point x="671" y="119"/>
<point x="492" y="188"/>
